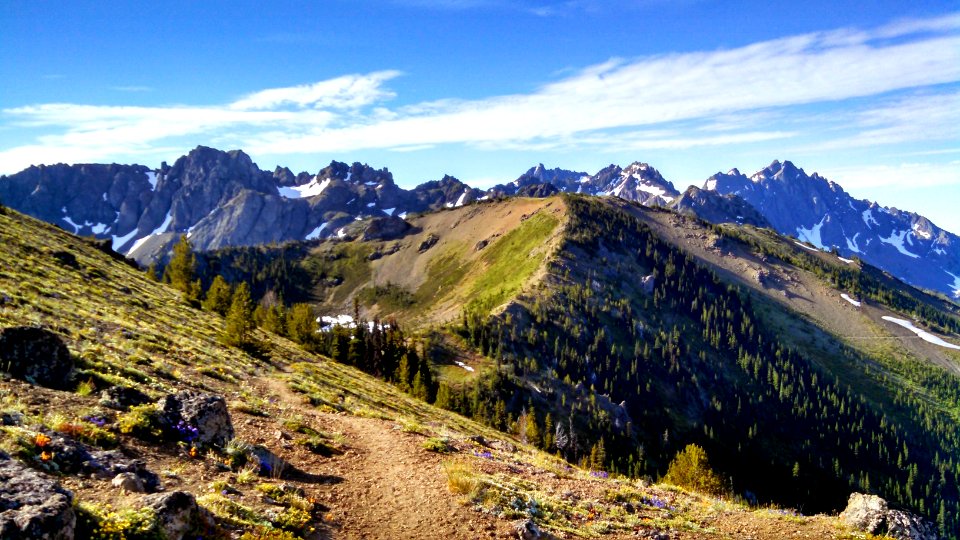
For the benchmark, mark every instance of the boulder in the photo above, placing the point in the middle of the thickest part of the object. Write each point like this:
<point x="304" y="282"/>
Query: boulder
<point x="201" y="418"/>
<point x="128" y="482"/>
<point x="385" y="228"/>
<point x="528" y="530"/>
<point x="178" y="514"/>
<point x="112" y="463"/>
<point x="35" y="355"/>
<point x="428" y="243"/>
<point x="33" y="505"/>
<point x="870" y="514"/>
<point x="122" y="397"/>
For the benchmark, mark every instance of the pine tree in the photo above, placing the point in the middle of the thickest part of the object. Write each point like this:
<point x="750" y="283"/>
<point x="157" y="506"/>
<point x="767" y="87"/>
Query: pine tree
<point x="238" y="327"/>
<point x="404" y="374"/>
<point x="275" y="320"/>
<point x="218" y="297"/>
<point x="301" y="325"/>
<point x="181" y="270"/>
<point x="691" y="469"/>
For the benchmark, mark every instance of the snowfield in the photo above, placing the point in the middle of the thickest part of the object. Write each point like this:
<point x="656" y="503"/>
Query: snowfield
<point x="847" y="297"/>
<point x="924" y="335"/>
<point x="310" y="189"/>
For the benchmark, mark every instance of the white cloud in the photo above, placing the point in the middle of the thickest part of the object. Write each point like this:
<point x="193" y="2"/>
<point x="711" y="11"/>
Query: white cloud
<point x="906" y="175"/>
<point x="707" y="90"/>
<point x="347" y="92"/>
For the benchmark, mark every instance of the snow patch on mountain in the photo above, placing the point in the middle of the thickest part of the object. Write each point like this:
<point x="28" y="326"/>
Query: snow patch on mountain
<point x="921" y="232"/>
<point x="868" y="218"/>
<point x="118" y="241"/>
<point x="956" y="284"/>
<point x="847" y="297"/>
<point x="389" y="211"/>
<point x="159" y="230"/>
<point x="924" y="335"/>
<point x="812" y="234"/>
<point x="152" y="178"/>
<point x="76" y="228"/>
<point x="852" y="244"/>
<point x="310" y="189"/>
<point x="314" y="234"/>
<point x="896" y="240"/>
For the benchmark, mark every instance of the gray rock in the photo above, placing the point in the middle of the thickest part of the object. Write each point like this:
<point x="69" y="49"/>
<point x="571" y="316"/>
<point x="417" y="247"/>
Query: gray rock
<point x="35" y="355"/>
<point x="503" y="446"/>
<point x="122" y="397"/>
<point x="427" y="243"/>
<point x="112" y="463"/>
<point x="207" y="413"/>
<point x="870" y="514"/>
<point x="128" y="482"/>
<point x="528" y="530"/>
<point x="33" y="505"/>
<point x="178" y="514"/>
<point x="385" y="228"/>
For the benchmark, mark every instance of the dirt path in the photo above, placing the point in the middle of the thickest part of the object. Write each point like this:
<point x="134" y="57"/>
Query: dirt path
<point x="391" y="487"/>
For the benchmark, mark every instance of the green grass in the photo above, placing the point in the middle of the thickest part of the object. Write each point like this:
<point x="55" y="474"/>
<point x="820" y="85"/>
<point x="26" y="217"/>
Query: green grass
<point x="445" y="274"/>
<point x="511" y="261"/>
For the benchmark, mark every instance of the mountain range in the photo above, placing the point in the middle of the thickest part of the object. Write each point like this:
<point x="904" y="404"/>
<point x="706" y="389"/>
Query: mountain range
<point x="221" y="199"/>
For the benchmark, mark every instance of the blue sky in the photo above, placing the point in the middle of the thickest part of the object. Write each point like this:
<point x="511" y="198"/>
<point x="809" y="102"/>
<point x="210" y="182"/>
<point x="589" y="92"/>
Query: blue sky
<point x="866" y="93"/>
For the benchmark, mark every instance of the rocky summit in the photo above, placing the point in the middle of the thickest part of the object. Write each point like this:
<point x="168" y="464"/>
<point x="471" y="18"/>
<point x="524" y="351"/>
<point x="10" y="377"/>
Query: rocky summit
<point x="220" y="199"/>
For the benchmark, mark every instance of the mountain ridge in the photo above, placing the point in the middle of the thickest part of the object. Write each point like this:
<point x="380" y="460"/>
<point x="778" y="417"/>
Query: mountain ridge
<point x="223" y="199"/>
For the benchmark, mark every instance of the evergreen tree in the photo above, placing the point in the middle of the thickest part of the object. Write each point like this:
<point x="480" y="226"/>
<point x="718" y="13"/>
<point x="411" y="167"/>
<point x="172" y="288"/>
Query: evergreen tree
<point x="219" y="296"/>
<point x="404" y="375"/>
<point x="275" y="320"/>
<point x="691" y="469"/>
<point x="238" y="327"/>
<point x="181" y="270"/>
<point x="301" y="325"/>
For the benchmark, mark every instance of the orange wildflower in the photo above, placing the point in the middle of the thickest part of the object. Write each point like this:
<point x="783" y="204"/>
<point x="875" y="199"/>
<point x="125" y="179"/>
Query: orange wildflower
<point x="46" y="456"/>
<point x="41" y="440"/>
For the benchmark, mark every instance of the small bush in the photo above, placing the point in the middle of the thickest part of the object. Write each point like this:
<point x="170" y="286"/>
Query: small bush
<point x="436" y="444"/>
<point x="460" y="478"/>
<point x="690" y="469"/>
<point x="128" y="524"/>
<point x="293" y="519"/>
<point x="141" y="421"/>
<point x="319" y="446"/>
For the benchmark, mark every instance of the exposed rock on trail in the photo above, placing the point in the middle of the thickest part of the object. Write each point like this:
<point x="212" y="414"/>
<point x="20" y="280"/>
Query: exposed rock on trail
<point x="33" y="505"/>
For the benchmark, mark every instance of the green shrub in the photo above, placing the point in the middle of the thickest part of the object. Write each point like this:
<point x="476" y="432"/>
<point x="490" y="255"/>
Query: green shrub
<point x="690" y="469"/>
<point x="436" y="444"/>
<point x="141" y="421"/>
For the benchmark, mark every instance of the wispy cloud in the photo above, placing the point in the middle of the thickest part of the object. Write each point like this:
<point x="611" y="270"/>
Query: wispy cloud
<point x="347" y="92"/>
<point x="907" y="175"/>
<point x="706" y="98"/>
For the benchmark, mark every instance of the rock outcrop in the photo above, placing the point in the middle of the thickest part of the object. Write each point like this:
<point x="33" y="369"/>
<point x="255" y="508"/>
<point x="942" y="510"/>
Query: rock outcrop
<point x="870" y="514"/>
<point x="33" y="505"/>
<point x="179" y="515"/>
<point x="35" y="355"/>
<point x="202" y="418"/>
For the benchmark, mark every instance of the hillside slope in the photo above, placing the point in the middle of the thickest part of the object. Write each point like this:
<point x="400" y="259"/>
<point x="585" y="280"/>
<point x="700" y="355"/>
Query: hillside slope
<point x="641" y="331"/>
<point x="350" y="456"/>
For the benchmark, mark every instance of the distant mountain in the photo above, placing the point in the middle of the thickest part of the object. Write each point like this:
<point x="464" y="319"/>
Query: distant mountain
<point x="716" y="208"/>
<point x="217" y="198"/>
<point x="223" y="199"/>
<point x="820" y="212"/>
<point x="638" y="182"/>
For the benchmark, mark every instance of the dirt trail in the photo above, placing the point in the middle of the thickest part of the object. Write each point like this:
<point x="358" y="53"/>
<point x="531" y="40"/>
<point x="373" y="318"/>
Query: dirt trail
<point x="391" y="487"/>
